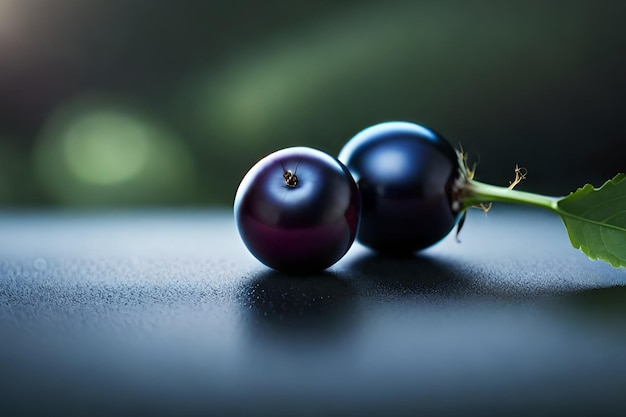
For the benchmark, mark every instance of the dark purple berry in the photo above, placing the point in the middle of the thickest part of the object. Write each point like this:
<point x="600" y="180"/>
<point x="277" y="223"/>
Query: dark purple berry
<point x="405" y="173"/>
<point x="298" y="210"/>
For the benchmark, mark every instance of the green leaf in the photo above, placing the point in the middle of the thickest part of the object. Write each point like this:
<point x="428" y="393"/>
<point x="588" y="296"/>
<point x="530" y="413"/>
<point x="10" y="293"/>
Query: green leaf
<point x="595" y="219"/>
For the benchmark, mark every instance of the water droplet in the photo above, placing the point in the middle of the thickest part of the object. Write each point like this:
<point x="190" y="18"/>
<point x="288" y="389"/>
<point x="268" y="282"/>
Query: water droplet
<point x="40" y="264"/>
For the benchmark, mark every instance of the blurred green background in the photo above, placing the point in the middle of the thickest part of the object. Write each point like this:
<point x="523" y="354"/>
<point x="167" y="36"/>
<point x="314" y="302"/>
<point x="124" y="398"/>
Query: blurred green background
<point x="169" y="103"/>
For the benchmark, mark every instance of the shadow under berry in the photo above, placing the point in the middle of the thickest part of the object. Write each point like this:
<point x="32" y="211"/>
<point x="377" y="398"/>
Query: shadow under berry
<point x="311" y="308"/>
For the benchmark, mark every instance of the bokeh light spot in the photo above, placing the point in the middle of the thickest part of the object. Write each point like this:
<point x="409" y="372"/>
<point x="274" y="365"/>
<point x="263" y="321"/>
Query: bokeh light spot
<point x="105" y="147"/>
<point x="101" y="151"/>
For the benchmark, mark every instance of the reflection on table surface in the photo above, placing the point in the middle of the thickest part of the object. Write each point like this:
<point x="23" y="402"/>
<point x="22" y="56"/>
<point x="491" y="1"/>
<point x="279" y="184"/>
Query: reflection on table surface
<point x="143" y="311"/>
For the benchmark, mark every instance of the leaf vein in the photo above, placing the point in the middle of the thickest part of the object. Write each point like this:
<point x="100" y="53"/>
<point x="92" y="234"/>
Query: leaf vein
<point x="604" y="203"/>
<point x="594" y="222"/>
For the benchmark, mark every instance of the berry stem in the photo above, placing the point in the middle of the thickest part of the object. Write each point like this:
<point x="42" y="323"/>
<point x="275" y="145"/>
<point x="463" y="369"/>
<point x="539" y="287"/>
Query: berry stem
<point x="475" y="193"/>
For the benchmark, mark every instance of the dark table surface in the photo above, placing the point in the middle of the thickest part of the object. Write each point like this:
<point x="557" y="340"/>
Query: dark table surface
<point x="166" y="313"/>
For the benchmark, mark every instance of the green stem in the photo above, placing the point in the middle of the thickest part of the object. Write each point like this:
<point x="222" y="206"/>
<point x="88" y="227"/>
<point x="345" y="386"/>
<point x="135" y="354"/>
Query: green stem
<point x="477" y="192"/>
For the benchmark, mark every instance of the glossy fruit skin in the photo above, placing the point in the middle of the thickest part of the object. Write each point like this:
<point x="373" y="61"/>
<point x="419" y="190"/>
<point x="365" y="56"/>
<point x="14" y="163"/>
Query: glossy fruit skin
<point x="406" y="175"/>
<point x="303" y="227"/>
